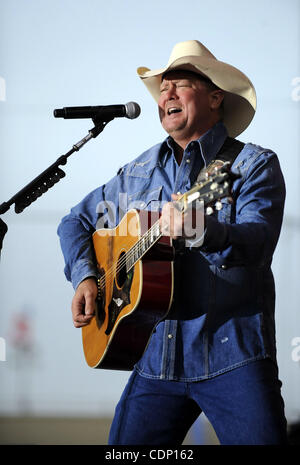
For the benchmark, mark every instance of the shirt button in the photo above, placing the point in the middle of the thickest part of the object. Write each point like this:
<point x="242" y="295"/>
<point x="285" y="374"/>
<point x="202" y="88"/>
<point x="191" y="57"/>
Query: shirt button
<point x="170" y="336"/>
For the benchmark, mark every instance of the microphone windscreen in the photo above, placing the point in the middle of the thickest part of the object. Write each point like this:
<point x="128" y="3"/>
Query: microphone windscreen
<point x="133" y="110"/>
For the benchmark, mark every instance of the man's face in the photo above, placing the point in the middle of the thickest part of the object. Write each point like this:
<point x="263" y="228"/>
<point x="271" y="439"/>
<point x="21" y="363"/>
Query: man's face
<point x="185" y="105"/>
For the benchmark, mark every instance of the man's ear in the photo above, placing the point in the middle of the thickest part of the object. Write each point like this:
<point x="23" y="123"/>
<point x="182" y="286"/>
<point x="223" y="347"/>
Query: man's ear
<point x="216" y="99"/>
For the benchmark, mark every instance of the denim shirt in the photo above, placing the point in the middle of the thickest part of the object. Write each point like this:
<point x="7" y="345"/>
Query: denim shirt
<point x="223" y="312"/>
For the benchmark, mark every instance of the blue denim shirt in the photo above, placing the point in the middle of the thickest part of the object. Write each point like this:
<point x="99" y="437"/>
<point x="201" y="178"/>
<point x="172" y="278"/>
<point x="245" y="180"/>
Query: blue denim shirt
<point x="223" y="312"/>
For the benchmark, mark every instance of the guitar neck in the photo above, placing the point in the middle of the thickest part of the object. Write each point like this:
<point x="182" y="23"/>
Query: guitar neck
<point x="153" y="235"/>
<point x="143" y="245"/>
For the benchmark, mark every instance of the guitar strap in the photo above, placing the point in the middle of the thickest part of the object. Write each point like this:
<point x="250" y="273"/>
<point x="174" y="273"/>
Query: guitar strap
<point x="230" y="149"/>
<point x="227" y="153"/>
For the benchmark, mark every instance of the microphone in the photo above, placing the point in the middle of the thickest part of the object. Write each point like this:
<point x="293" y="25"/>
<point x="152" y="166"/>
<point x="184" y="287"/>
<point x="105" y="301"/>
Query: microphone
<point x="130" y="110"/>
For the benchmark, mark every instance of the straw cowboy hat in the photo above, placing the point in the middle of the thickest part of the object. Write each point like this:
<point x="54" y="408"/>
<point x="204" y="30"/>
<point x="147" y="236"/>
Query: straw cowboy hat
<point x="191" y="55"/>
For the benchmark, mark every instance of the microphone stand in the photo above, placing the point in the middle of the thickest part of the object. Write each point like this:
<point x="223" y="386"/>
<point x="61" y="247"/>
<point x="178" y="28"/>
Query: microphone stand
<point x="39" y="185"/>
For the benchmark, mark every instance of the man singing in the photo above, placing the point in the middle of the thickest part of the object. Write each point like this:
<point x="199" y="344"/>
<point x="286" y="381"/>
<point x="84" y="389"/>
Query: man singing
<point x="215" y="351"/>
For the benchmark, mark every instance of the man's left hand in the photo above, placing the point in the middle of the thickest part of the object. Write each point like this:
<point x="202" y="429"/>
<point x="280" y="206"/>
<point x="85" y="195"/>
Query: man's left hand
<point x="175" y="223"/>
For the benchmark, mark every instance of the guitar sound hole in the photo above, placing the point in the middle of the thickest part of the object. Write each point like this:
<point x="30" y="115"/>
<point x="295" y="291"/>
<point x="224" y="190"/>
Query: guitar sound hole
<point x="121" y="274"/>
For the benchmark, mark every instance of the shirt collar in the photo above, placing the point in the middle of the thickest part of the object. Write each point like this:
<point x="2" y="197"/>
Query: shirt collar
<point x="209" y="143"/>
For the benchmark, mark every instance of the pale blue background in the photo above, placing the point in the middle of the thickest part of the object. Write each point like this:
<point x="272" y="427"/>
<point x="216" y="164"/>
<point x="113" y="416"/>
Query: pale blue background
<point x="85" y="52"/>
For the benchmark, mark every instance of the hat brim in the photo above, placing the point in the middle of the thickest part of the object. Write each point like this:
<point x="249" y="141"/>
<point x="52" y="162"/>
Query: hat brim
<point x="239" y="92"/>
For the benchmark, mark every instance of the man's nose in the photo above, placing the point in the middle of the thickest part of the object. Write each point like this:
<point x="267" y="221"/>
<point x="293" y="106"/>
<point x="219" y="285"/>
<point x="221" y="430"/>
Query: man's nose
<point x="171" y="92"/>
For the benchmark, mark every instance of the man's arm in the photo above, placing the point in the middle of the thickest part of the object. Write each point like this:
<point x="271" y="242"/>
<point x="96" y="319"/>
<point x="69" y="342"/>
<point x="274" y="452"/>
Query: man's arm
<point x="98" y="209"/>
<point x="75" y="232"/>
<point x="251" y="237"/>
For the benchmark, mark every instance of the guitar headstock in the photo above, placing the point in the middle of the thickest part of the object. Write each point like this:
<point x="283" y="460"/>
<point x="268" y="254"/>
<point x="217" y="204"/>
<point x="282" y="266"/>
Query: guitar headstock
<point x="214" y="185"/>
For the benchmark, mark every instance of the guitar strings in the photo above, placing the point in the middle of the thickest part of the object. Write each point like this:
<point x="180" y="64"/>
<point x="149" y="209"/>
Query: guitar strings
<point x="135" y="249"/>
<point x="131" y="254"/>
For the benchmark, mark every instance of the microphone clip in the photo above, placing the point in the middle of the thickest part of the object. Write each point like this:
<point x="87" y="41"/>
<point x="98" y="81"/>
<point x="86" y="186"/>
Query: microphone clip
<point x="99" y="125"/>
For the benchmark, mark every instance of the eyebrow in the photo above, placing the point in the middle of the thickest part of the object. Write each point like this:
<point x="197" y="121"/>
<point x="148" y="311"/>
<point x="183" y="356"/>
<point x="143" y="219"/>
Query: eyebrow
<point x="164" y="82"/>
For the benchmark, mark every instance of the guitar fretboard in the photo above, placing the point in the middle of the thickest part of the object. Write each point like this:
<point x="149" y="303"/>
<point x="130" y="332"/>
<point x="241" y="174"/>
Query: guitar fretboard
<point x="147" y="241"/>
<point x="142" y="246"/>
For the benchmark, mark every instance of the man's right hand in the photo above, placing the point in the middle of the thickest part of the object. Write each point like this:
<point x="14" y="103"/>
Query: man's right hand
<point x="84" y="302"/>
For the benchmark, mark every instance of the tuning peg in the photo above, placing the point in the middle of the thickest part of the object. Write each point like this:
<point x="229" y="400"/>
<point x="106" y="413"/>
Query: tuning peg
<point x="209" y="210"/>
<point x="218" y="205"/>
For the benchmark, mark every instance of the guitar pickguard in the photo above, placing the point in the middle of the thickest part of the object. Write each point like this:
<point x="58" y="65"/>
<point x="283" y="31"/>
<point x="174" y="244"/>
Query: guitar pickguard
<point x="120" y="298"/>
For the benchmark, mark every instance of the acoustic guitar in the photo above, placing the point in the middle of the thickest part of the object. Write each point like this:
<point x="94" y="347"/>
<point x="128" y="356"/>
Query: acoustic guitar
<point x="135" y="285"/>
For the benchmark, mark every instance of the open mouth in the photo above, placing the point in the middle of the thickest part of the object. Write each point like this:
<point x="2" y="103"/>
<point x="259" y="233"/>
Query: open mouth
<point x="173" y="110"/>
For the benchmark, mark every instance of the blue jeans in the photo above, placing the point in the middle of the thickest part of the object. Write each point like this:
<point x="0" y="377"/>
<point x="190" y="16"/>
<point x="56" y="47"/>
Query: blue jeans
<point x="243" y="405"/>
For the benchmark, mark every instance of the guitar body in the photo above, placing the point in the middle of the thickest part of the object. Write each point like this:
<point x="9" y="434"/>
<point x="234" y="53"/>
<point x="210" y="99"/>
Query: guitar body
<point x="133" y="302"/>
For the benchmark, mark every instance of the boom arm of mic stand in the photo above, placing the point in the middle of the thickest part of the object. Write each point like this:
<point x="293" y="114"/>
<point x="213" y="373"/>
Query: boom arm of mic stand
<point x="50" y="176"/>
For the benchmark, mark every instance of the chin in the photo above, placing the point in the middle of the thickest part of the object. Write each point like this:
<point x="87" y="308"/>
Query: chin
<point x="174" y="128"/>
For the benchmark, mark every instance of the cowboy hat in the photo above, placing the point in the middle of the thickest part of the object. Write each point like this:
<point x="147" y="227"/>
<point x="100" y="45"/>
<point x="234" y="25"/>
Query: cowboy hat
<point x="191" y="55"/>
